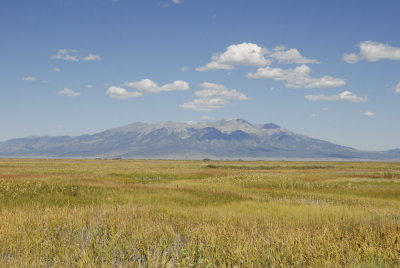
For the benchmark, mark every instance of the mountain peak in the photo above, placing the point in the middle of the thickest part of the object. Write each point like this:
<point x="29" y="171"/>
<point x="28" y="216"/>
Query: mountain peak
<point x="224" y="139"/>
<point x="238" y="120"/>
<point x="270" y="126"/>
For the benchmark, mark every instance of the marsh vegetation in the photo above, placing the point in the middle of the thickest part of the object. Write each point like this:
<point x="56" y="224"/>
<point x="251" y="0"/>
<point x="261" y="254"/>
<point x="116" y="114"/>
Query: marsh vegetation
<point x="153" y="213"/>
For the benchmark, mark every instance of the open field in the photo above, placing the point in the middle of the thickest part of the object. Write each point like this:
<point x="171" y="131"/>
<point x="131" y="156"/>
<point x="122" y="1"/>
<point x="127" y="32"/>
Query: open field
<point x="150" y="213"/>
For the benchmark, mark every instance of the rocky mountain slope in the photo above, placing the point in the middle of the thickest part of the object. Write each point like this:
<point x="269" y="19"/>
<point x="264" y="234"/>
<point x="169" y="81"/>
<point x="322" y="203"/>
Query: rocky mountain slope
<point x="224" y="139"/>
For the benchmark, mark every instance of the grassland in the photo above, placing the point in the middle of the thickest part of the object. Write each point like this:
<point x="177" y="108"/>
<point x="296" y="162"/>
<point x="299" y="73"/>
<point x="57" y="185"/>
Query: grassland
<point x="126" y="213"/>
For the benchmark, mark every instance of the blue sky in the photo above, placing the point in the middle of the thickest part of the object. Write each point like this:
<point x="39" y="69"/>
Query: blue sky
<point x="326" y="69"/>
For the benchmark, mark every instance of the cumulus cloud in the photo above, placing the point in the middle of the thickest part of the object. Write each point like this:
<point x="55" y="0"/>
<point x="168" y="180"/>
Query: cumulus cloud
<point x="122" y="93"/>
<point x="205" y="105"/>
<point x="211" y="90"/>
<point x="29" y="78"/>
<point x="213" y="96"/>
<point x="69" y="92"/>
<point x="214" y="66"/>
<point x="56" y="69"/>
<point x="89" y="86"/>
<point x="344" y="96"/>
<point x="66" y="54"/>
<point x="92" y="57"/>
<point x="176" y="1"/>
<point x="74" y="55"/>
<point x="149" y="86"/>
<point x="298" y="77"/>
<point x="350" y="58"/>
<point x="145" y="86"/>
<point x="397" y="88"/>
<point x="290" y="56"/>
<point x="373" y="51"/>
<point x="369" y="113"/>
<point x="243" y="54"/>
<point x="247" y="54"/>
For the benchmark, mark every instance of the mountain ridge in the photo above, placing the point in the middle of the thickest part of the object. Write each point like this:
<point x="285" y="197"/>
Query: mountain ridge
<point x="222" y="139"/>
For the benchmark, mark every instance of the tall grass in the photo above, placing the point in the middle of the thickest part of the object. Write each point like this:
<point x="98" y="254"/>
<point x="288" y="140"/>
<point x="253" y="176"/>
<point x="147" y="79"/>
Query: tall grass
<point x="125" y="213"/>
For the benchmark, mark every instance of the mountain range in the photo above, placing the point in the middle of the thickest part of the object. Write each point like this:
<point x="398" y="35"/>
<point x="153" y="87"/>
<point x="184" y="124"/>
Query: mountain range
<point x="223" y="139"/>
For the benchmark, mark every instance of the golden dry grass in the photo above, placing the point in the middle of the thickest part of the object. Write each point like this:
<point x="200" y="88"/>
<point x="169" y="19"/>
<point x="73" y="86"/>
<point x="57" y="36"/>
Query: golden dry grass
<point x="153" y="213"/>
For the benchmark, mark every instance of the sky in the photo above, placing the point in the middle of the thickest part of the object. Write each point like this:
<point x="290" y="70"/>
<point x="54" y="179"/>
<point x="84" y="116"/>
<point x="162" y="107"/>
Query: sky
<point x="325" y="69"/>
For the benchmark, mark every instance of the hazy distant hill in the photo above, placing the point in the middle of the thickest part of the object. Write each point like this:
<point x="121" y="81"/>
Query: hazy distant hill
<point x="224" y="139"/>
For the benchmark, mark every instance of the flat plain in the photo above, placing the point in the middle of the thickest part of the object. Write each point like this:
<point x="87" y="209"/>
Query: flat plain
<point x="159" y="213"/>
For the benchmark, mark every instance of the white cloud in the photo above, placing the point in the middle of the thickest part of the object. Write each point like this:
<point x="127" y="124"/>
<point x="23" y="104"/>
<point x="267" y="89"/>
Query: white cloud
<point x="214" y="66"/>
<point x="176" y="1"/>
<point x="290" y="56"/>
<point x="373" y="51"/>
<point x="92" y="57"/>
<point x="211" y="90"/>
<point x="247" y="54"/>
<point x="184" y="69"/>
<point x="298" y="77"/>
<point x="74" y="55"/>
<point x="149" y="86"/>
<point x="314" y="115"/>
<point x="326" y="109"/>
<point x="29" y="78"/>
<point x="69" y="92"/>
<point x="350" y="58"/>
<point x="369" y="113"/>
<point x="243" y="54"/>
<point x="145" y="86"/>
<point x="344" y="96"/>
<point x="66" y="54"/>
<point x="205" y="105"/>
<point x="397" y="88"/>
<point x="325" y="81"/>
<point x="122" y="93"/>
<point x="89" y="86"/>
<point x="56" y="69"/>
<point x="213" y="96"/>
